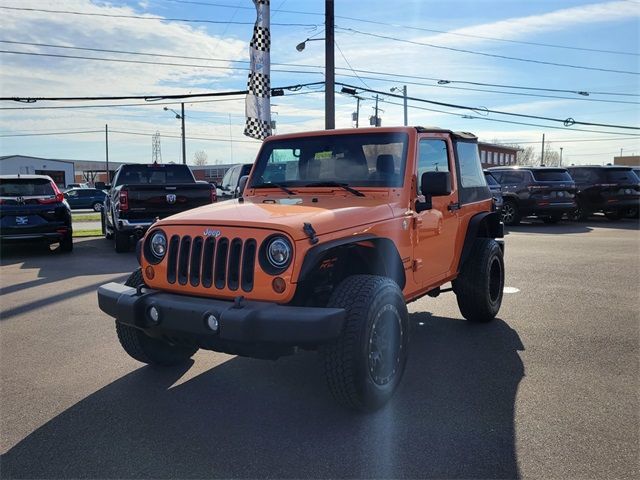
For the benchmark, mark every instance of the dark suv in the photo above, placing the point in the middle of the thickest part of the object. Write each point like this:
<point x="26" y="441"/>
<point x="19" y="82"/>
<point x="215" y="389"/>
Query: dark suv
<point x="612" y="190"/>
<point x="544" y="192"/>
<point x="496" y="190"/>
<point x="32" y="208"/>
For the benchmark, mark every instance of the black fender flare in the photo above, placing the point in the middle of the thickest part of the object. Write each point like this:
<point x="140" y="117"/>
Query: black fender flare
<point x="485" y="224"/>
<point x="389" y="256"/>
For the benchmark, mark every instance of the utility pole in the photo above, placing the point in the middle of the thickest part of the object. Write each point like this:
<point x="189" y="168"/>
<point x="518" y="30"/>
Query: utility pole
<point x="376" y="124"/>
<point x="329" y="68"/>
<point x="184" y="145"/>
<point x="542" y="156"/>
<point x="560" y="164"/>
<point x="621" y="152"/>
<point x="106" y="151"/>
<point x="357" y="111"/>
<point x="404" y="92"/>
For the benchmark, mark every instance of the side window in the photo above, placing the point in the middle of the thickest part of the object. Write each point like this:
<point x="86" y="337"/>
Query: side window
<point x="512" y="178"/>
<point x="72" y="194"/>
<point x="433" y="158"/>
<point x="226" y="180"/>
<point x="283" y="165"/>
<point x="471" y="174"/>
<point x="233" y="179"/>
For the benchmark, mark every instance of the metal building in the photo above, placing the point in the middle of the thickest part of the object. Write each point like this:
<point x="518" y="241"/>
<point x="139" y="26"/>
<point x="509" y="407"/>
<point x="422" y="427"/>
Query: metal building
<point x="61" y="171"/>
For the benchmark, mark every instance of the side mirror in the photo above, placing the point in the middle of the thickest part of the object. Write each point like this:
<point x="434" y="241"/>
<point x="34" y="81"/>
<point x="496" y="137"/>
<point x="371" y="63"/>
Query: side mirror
<point x="242" y="184"/>
<point x="435" y="184"/>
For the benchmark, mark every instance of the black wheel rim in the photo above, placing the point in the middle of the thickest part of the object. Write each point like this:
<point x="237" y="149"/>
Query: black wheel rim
<point x="507" y="213"/>
<point x="385" y="345"/>
<point x="495" y="280"/>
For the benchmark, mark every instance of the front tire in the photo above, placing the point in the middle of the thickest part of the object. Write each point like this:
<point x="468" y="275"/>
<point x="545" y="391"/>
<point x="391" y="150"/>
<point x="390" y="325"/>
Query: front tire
<point x="364" y="366"/>
<point x="480" y="284"/>
<point x="510" y="213"/>
<point x="145" y="349"/>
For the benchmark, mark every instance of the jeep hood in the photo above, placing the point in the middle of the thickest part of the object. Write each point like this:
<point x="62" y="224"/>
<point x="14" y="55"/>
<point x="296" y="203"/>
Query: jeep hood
<point x="327" y="215"/>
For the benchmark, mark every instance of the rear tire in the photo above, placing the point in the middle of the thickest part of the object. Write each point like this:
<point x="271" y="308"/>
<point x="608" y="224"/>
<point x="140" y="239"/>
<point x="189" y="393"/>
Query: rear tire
<point x="122" y="242"/>
<point x="579" y="214"/>
<point x="480" y="285"/>
<point x="97" y="207"/>
<point x="510" y="213"/>
<point x="364" y="366"/>
<point x="145" y="349"/>
<point x="66" y="244"/>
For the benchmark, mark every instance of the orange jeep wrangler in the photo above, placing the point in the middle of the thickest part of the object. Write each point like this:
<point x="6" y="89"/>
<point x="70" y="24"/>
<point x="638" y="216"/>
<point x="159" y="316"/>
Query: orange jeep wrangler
<point x="336" y="231"/>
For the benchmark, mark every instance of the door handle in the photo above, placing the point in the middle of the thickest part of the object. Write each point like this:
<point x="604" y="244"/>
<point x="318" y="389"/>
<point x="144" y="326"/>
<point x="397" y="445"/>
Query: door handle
<point x="453" y="206"/>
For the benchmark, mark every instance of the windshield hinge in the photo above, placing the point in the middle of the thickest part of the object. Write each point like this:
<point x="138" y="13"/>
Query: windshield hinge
<point x="311" y="233"/>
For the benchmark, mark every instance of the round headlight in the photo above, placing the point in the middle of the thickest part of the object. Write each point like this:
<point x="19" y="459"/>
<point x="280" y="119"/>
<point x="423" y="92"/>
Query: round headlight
<point x="158" y="245"/>
<point x="279" y="252"/>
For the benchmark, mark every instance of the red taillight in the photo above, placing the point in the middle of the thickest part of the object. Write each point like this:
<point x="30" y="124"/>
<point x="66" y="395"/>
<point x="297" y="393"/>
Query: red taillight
<point x="124" y="200"/>
<point x="214" y="196"/>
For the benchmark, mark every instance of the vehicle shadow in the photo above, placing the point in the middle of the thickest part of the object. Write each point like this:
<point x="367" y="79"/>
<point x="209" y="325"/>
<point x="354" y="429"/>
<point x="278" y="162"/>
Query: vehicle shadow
<point x="452" y="417"/>
<point x="530" y="225"/>
<point x="92" y="256"/>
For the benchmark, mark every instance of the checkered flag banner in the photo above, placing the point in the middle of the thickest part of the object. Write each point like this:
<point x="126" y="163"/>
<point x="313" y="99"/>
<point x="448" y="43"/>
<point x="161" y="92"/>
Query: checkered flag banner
<point x="257" y="102"/>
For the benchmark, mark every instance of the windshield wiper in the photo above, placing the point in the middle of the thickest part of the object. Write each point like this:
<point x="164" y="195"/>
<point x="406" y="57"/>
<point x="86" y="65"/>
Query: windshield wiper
<point x="277" y="185"/>
<point x="346" y="186"/>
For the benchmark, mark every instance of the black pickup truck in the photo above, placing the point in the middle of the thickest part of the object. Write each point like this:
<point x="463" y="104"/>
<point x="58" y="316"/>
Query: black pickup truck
<point x="140" y="194"/>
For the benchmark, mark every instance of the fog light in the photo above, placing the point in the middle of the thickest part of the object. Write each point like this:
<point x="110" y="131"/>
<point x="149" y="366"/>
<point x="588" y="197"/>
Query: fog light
<point x="150" y="272"/>
<point x="279" y="284"/>
<point x="212" y="322"/>
<point x="154" y="314"/>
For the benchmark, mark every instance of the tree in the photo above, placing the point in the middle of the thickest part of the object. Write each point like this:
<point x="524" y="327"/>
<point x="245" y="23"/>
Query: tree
<point x="200" y="158"/>
<point x="551" y="156"/>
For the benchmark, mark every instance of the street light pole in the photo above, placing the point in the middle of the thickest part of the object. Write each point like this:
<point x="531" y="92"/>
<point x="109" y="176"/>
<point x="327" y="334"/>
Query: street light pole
<point x="404" y="92"/>
<point x="184" y="145"/>
<point x="329" y="69"/>
<point x="560" y="157"/>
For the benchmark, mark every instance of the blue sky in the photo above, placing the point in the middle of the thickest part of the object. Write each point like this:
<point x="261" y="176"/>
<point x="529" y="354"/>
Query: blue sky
<point x="502" y="28"/>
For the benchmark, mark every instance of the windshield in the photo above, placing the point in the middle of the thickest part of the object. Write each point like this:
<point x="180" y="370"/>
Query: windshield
<point x="19" y="187"/>
<point x="552" y="176"/>
<point x="364" y="160"/>
<point x="491" y="181"/>
<point x="621" y="176"/>
<point x="154" y="175"/>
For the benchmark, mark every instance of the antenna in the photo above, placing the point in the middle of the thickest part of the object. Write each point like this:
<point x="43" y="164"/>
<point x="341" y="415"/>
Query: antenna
<point x="156" y="154"/>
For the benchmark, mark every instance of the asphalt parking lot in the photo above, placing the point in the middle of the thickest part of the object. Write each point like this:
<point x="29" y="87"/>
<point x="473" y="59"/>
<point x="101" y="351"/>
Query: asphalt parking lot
<point x="550" y="389"/>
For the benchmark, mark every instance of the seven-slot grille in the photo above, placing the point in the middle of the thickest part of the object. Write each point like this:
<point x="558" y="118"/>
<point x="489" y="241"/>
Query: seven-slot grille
<point x="217" y="262"/>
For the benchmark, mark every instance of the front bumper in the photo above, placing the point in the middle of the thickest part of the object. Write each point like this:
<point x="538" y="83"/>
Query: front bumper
<point x="240" y="321"/>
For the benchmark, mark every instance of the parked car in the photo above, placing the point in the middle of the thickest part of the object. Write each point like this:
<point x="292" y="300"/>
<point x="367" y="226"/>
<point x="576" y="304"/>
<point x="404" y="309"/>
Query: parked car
<point x="229" y="186"/>
<point x="323" y="252"/>
<point x="544" y="192"/>
<point x="32" y="208"/>
<point x="496" y="190"/>
<point x="85" y="198"/>
<point x="76" y="185"/>
<point x="141" y="194"/>
<point x="613" y="190"/>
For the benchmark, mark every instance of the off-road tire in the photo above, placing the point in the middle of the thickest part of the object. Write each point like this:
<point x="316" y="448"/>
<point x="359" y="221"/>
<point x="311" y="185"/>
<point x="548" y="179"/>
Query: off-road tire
<point x="145" y="349"/>
<point x="510" y="213"/>
<point x="480" y="283"/>
<point x="97" y="207"/>
<point x="66" y="243"/>
<point x="371" y="303"/>
<point x="122" y="242"/>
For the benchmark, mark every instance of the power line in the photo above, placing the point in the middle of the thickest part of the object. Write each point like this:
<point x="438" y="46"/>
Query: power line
<point x="51" y="133"/>
<point x="422" y="29"/>
<point x="147" y="17"/>
<point x="442" y="83"/>
<point x="493" y="55"/>
<point x="147" y="104"/>
<point x="567" y="122"/>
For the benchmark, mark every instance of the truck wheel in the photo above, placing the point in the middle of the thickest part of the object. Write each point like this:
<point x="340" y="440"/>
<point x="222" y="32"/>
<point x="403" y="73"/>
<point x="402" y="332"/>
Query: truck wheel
<point x="579" y="214"/>
<point x="510" y="213"/>
<point x="144" y="348"/>
<point x="66" y="244"/>
<point x="365" y="364"/>
<point x="105" y="231"/>
<point x="123" y="242"/>
<point x="480" y="283"/>
<point x="97" y="207"/>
